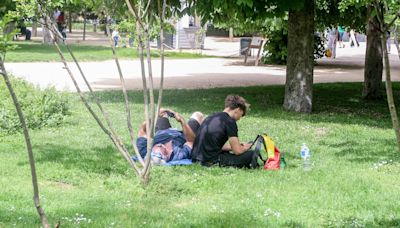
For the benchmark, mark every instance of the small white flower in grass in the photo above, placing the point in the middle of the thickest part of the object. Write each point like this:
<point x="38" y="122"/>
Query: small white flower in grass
<point x="259" y="195"/>
<point x="270" y="212"/>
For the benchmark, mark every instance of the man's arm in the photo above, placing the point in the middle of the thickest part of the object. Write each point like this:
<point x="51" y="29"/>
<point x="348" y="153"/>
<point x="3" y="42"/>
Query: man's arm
<point x="187" y="131"/>
<point x="236" y="147"/>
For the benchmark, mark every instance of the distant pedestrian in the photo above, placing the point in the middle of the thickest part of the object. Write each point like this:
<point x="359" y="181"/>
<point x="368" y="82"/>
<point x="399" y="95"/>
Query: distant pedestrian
<point x="341" y="31"/>
<point x="353" y="39"/>
<point x="115" y="36"/>
<point x="388" y="43"/>
<point x="332" y="40"/>
<point x="61" y="24"/>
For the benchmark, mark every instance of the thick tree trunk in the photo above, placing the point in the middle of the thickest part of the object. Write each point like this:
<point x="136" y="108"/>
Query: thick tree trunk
<point x="300" y="61"/>
<point x="34" y="29"/>
<point x="372" y="88"/>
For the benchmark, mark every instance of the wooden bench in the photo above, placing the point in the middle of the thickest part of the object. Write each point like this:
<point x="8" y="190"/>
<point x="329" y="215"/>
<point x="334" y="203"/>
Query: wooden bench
<point x="17" y="35"/>
<point x="256" y="42"/>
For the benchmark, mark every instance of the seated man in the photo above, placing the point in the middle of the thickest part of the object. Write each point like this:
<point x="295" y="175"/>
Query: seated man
<point x="169" y="143"/>
<point x="209" y="146"/>
<point x="26" y="32"/>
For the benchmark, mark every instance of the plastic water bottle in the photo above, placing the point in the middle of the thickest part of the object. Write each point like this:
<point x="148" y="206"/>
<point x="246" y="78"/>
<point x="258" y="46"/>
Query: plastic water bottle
<point x="306" y="156"/>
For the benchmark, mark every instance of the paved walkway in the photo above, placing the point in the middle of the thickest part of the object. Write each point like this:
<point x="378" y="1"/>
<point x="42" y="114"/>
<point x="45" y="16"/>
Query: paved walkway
<point x="199" y="73"/>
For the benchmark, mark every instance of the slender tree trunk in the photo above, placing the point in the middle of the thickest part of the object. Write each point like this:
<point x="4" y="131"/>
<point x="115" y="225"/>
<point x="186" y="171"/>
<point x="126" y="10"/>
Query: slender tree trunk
<point x="36" y="198"/>
<point x="372" y="88"/>
<point x="84" y="25"/>
<point x="389" y="92"/>
<point x="300" y="61"/>
<point x="70" y="21"/>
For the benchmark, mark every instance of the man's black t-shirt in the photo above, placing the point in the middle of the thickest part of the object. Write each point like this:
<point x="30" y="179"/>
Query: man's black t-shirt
<point x="211" y="137"/>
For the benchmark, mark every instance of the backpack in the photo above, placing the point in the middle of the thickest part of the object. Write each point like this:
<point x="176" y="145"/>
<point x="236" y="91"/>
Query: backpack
<point x="273" y="160"/>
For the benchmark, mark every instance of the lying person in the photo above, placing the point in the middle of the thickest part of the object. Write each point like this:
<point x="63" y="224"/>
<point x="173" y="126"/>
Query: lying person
<point x="170" y="144"/>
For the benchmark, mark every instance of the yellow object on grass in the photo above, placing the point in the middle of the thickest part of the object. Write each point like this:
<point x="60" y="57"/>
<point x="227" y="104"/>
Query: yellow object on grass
<point x="270" y="146"/>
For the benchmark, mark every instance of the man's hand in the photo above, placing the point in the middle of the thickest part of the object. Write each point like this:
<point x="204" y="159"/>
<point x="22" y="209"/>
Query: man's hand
<point x="179" y="118"/>
<point x="246" y="146"/>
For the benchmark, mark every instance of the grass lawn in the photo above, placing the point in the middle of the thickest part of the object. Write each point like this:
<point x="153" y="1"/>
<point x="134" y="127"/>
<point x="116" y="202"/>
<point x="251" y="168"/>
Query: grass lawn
<point x="85" y="182"/>
<point x="38" y="52"/>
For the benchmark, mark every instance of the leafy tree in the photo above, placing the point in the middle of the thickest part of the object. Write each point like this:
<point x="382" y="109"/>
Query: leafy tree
<point x="299" y="72"/>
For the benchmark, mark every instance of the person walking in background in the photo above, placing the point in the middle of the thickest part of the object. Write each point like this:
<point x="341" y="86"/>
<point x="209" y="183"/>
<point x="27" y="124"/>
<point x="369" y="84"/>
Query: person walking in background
<point x="332" y="40"/>
<point x="61" y="24"/>
<point x="353" y="39"/>
<point x="388" y="42"/>
<point x="341" y="31"/>
<point x="115" y="36"/>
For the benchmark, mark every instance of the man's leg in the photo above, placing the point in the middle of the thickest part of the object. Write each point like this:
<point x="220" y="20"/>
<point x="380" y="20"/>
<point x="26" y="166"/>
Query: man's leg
<point x="248" y="159"/>
<point x="195" y="121"/>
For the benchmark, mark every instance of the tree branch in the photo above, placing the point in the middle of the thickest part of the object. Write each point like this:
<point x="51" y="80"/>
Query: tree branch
<point x="128" y="112"/>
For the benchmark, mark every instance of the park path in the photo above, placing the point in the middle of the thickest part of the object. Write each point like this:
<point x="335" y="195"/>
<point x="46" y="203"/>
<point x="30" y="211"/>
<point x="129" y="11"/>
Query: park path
<point x="199" y="73"/>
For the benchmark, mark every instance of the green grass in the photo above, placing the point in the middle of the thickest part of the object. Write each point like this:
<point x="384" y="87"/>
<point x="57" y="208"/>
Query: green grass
<point x="38" y="52"/>
<point x="82" y="177"/>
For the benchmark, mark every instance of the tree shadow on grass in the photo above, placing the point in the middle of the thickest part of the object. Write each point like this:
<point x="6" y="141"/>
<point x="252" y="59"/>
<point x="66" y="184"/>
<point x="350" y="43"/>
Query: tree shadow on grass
<point x="333" y="103"/>
<point x="362" y="152"/>
<point x="101" y="160"/>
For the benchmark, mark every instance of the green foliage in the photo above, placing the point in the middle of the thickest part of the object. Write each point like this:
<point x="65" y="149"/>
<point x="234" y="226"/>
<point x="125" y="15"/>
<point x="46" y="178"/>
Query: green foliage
<point x="41" y="107"/>
<point x="86" y="183"/>
<point x="275" y="48"/>
<point x="7" y="32"/>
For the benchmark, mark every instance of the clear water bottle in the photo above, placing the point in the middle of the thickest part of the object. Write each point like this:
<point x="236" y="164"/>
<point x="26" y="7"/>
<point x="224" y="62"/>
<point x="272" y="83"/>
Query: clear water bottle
<point x="306" y="156"/>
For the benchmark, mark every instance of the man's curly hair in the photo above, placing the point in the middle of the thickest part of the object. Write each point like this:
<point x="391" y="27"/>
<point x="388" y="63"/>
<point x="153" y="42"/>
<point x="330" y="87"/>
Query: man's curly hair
<point x="236" y="101"/>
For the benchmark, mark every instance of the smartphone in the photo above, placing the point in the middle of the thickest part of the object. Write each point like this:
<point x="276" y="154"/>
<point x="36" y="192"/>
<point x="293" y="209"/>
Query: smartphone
<point x="170" y="114"/>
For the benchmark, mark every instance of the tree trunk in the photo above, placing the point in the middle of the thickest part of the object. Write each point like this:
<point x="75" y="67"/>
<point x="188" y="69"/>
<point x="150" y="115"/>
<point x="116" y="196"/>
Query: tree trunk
<point x="230" y="34"/>
<point x="36" y="197"/>
<point x="389" y="92"/>
<point x="372" y="88"/>
<point x="300" y="61"/>
<point x="84" y="25"/>
<point x="70" y="21"/>
<point x="34" y="29"/>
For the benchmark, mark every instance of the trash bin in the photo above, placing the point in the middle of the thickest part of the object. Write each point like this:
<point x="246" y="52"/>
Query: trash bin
<point x="244" y="44"/>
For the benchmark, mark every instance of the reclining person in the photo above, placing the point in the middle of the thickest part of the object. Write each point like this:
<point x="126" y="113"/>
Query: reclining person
<point x="169" y="143"/>
<point x="209" y="146"/>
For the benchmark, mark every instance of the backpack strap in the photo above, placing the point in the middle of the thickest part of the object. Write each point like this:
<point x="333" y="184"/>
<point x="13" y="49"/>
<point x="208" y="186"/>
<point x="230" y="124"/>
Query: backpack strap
<point x="259" y="141"/>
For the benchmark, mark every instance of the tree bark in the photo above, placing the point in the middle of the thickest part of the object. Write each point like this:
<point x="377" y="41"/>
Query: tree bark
<point x="372" y="88"/>
<point x="300" y="61"/>
<point x="34" y="29"/>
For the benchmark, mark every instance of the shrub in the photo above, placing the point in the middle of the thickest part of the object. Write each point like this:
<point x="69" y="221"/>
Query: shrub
<point x="275" y="48"/>
<point x="41" y="108"/>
